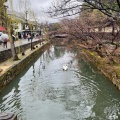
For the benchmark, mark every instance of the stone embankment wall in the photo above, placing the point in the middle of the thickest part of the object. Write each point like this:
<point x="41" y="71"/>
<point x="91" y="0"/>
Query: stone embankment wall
<point x="108" y="69"/>
<point x="6" y="54"/>
<point x="14" y="70"/>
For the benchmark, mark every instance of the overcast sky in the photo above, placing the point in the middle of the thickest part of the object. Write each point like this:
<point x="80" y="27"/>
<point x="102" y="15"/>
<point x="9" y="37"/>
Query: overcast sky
<point x="38" y="6"/>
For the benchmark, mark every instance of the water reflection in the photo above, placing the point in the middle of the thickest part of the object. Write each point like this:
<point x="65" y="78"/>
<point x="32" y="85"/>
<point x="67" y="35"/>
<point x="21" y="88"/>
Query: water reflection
<point x="81" y="93"/>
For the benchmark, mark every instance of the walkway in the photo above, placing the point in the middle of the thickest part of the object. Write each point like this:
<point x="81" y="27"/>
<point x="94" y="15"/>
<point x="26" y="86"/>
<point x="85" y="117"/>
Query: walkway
<point x="17" y="43"/>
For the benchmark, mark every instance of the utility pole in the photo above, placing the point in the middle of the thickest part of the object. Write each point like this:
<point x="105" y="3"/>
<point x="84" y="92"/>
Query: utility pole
<point x="26" y="13"/>
<point x="26" y="19"/>
<point x="27" y="28"/>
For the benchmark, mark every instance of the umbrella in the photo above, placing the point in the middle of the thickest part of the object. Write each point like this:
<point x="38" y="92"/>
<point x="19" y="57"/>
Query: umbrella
<point x="2" y="28"/>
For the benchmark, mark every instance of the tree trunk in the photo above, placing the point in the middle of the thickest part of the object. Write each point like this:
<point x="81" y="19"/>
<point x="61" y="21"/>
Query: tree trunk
<point x="14" y="53"/>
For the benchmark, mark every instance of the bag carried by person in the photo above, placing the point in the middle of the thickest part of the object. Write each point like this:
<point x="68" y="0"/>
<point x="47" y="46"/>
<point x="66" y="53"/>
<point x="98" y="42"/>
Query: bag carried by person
<point x="5" y="40"/>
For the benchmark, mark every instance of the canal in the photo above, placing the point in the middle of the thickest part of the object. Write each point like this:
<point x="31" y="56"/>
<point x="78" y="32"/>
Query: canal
<point x="43" y="91"/>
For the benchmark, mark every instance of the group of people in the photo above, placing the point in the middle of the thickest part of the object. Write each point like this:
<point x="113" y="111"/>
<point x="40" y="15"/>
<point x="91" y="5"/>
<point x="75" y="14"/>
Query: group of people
<point x="5" y="38"/>
<point x="30" y="36"/>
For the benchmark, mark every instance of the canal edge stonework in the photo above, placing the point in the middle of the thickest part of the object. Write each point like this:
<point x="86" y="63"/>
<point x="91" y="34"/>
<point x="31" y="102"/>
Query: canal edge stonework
<point x="112" y="74"/>
<point x="6" y="54"/>
<point x="15" y="69"/>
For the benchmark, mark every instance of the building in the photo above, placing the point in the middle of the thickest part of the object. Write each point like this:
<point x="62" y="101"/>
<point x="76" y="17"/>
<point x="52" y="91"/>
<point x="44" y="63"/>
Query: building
<point x="21" y="25"/>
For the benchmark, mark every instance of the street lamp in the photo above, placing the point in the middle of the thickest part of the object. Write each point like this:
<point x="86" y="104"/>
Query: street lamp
<point x="27" y="28"/>
<point x="26" y="23"/>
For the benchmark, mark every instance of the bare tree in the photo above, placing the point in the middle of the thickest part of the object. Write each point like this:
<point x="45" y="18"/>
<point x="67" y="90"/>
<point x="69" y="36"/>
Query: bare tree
<point x="110" y="8"/>
<point x="62" y="8"/>
<point x="78" y="30"/>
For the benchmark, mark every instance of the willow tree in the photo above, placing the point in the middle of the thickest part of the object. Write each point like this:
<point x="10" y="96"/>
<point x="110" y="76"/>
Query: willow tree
<point x="9" y="26"/>
<point x="6" y="22"/>
<point x="2" y="12"/>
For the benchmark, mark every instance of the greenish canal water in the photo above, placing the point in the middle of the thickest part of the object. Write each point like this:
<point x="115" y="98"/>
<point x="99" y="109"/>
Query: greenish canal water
<point x="43" y="91"/>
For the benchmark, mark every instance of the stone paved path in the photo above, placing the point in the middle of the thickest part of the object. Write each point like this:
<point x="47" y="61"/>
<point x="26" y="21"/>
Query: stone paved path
<point x="17" y="43"/>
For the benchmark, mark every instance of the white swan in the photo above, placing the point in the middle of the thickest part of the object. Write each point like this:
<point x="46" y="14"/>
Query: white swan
<point x="65" y="67"/>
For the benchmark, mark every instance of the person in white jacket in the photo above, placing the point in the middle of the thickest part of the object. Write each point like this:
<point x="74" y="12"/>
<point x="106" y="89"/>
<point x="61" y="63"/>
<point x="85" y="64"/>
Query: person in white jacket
<point x="4" y="38"/>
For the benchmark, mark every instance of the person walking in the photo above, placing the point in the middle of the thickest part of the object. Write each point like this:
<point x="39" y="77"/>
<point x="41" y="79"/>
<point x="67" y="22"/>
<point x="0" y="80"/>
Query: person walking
<point x="4" y="38"/>
<point x="29" y="37"/>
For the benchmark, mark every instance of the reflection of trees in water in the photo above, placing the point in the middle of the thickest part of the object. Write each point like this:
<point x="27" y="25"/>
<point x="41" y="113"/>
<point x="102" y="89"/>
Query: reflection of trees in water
<point x="53" y="52"/>
<point x="49" y="55"/>
<point x="72" y="50"/>
<point x="59" y="51"/>
<point x="56" y="52"/>
<point x="40" y="62"/>
<point x="85" y="67"/>
<point x="34" y="70"/>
